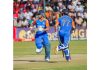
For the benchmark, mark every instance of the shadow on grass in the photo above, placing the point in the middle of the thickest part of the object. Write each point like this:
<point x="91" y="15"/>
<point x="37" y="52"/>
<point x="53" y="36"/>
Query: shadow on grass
<point x="39" y="61"/>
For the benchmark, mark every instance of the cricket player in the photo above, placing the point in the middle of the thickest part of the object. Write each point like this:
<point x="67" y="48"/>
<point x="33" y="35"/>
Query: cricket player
<point x="41" y="36"/>
<point x="65" y="25"/>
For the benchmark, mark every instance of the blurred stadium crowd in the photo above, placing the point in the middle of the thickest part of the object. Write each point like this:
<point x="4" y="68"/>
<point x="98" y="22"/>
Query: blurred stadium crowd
<point x="26" y="11"/>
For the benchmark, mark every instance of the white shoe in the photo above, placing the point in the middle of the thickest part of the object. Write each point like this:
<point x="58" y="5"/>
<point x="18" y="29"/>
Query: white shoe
<point x="38" y="50"/>
<point x="47" y="59"/>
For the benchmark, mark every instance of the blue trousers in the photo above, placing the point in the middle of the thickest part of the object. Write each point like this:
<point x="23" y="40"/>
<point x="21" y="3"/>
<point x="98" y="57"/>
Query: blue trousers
<point x="41" y="40"/>
<point x="64" y="38"/>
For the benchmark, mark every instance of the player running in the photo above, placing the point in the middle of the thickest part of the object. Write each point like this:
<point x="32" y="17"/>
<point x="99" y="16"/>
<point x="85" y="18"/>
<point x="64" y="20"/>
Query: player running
<point x="41" y="36"/>
<point x="65" y="25"/>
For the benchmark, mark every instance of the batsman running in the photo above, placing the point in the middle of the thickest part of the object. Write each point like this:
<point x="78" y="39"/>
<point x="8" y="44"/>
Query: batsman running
<point x="41" y="36"/>
<point x="65" y="24"/>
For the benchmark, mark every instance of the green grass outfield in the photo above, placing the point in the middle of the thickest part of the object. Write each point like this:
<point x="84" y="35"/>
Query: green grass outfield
<point x="25" y="57"/>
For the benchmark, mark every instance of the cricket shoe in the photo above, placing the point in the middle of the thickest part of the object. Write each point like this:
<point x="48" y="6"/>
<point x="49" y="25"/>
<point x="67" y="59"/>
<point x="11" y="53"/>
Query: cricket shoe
<point x="47" y="59"/>
<point x="56" y="49"/>
<point x="38" y="51"/>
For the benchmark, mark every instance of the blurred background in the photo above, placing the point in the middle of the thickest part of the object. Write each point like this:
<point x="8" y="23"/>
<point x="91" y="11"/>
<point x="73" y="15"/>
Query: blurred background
<point x="26" y="11"/>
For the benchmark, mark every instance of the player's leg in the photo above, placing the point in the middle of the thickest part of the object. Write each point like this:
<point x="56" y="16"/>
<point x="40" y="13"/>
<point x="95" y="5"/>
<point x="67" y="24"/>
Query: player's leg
<point x="47" y="47"/>
<point x="66" y="44"/>
<point x="66" y="40"/>
<point x="38" y="42"/>
<point x="67" y="54"/>
<point x="61" y="41"/>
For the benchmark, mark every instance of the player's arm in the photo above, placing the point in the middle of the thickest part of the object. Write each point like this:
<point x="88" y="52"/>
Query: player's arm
<point x="47" y="26"/>
<point x="73" y="24"/>
<point x="56" y="25"/>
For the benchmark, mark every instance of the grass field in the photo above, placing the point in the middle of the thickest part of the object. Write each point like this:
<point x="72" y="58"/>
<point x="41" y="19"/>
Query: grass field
<point x="25" y="57"/>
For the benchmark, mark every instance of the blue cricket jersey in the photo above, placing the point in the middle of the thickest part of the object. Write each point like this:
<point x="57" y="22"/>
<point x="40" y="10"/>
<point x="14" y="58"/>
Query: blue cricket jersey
<point x="65" y="23"/>
<point x="41" y="24"/>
